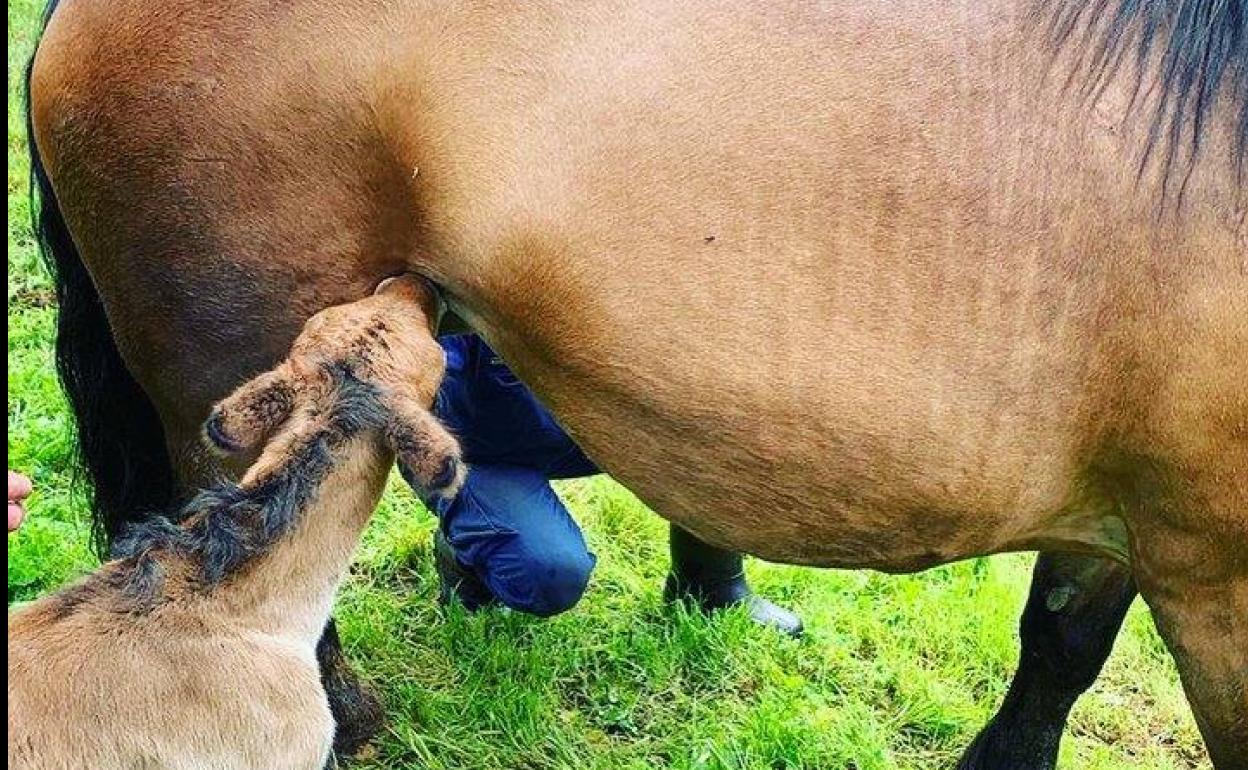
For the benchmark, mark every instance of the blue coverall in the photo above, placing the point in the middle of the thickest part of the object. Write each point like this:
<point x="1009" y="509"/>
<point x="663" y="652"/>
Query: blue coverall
<point x="506" y="523"/>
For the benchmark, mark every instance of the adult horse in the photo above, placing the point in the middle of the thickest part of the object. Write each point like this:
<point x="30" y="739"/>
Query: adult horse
<point x="926" y="280"/>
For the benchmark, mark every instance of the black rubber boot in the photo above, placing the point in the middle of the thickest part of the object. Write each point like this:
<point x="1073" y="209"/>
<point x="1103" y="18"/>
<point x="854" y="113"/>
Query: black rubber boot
<point x="713" y="578"/>
<point x="457" y="582"/>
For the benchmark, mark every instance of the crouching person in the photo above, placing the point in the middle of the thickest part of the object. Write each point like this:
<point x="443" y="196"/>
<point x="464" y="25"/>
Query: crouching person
<point x="507" y="538"/>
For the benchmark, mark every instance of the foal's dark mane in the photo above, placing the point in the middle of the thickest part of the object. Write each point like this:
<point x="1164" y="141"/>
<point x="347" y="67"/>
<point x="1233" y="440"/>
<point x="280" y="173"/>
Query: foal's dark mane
<point x="1201" y="48"/>
<point x="222" y="529"/>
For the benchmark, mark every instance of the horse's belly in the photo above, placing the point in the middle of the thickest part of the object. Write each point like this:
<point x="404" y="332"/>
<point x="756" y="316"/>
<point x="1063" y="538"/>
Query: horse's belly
<point x="837" y="500"/>
<point x="862" y="453"/>
<point x="810" y="393"/>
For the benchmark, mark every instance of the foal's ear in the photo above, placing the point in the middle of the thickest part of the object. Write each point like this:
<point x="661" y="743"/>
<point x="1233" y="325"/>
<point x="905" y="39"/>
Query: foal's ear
<point x="249" y="415"/>
<point x="428" y="455"/>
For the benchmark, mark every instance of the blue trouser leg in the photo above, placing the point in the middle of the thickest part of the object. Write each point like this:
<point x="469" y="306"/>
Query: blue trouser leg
<point x="507" y="525"/>
<point x="510" y="527"/>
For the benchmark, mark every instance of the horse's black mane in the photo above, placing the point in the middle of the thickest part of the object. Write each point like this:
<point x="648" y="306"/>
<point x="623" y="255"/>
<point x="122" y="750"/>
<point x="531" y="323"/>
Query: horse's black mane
<point x="226" y="527"/>
<point x="1201" y="47"/>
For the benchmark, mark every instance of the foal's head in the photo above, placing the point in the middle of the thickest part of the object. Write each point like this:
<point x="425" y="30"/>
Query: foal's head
<point x="371" y="367"/>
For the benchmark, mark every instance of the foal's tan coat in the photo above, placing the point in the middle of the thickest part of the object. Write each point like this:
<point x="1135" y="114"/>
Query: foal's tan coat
<point x="216" y="677"/>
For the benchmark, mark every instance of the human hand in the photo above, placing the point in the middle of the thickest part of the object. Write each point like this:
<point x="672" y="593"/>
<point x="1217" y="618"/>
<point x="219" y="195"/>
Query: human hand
<point x="19" y="490"/>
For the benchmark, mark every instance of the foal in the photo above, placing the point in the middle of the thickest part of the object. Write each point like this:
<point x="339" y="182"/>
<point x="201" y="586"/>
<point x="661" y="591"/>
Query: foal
<point x="197" y="649"/>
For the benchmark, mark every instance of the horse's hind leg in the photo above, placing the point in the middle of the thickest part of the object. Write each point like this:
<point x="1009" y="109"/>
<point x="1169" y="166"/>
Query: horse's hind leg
<point x="1075" y="608"/>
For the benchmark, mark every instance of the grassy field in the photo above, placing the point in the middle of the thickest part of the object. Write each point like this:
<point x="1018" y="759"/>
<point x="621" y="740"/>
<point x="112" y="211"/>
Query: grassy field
<point x="895" y="672"/>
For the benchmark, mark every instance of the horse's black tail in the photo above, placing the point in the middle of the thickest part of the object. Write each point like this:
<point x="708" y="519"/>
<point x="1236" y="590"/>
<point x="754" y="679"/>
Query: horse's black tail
<point x="120" y="441"/>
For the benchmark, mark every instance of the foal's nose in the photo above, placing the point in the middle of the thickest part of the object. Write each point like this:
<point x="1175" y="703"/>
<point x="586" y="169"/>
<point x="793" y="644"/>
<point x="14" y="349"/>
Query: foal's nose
<point x="425" y="290"/>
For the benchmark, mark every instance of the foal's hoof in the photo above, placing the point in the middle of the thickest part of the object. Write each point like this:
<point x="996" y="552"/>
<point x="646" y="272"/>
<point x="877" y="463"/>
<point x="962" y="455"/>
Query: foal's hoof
<point x="357" y="709"/>
<point x="361" y="725"/>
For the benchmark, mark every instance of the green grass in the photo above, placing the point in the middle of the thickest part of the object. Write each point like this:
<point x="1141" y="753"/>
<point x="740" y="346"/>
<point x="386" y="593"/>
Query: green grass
<point x="895" y="672"/>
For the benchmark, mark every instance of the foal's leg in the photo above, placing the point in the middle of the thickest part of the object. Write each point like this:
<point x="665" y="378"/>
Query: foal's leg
<point x="1076" y="606"/>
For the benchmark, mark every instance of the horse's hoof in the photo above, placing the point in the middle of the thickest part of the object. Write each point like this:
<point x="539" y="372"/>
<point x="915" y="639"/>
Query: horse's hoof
<point x="996" y="748"/>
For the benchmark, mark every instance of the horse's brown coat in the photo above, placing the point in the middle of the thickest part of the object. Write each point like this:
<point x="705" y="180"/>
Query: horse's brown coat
<point x="846" y="284"/>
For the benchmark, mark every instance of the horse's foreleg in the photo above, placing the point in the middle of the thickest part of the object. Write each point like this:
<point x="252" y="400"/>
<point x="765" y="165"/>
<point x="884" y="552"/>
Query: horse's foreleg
<point x="1075" y="608"/>
<point x="1197" y="587"/>
<point x="1206" y="629"/>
